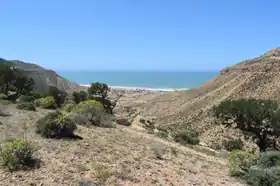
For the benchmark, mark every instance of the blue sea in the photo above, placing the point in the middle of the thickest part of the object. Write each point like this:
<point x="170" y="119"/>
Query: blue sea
<point x="162" y="81"/>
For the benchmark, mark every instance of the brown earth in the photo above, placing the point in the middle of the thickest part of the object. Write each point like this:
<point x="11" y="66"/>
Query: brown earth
<point x="111" y="156"/>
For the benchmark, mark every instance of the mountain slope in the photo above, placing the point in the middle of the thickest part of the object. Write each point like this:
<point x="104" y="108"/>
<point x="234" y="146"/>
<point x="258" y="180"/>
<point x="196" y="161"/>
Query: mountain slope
<point x="43" y="77"/>
<point x="176" y="111"/>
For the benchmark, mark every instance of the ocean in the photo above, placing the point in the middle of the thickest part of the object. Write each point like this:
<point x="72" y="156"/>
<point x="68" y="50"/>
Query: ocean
<point x="161" y="81"/>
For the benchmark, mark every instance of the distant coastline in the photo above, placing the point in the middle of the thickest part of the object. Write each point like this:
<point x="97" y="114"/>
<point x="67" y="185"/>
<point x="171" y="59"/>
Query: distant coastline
<point x="142" y="88"/>
<point x="135" y="81"/>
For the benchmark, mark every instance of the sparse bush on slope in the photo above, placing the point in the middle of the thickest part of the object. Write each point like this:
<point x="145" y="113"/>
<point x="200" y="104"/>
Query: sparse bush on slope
<point x="58" y="95"/>
<point x="3" y="96"/>
<point x="25" y="98"/>
<point x="79" y="96"/>
<point x="26" y="106"/>
<point x="260" y="118"/>
<point x="18" y="154"/>
<point x="239" y="162"/>
<point x="186" y="137"/>
<point x="90" y="112"/>
<point x="46" y="102"/>
<point x="69" y="107"/>
<point x="256" y="169"/>
<point x="56" y="125"/>
<point x="231" y="145"/>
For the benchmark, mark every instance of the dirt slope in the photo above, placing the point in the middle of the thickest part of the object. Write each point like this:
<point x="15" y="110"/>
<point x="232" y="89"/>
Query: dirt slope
<point x="254" y="78"/>
<point x="110" y="156"/>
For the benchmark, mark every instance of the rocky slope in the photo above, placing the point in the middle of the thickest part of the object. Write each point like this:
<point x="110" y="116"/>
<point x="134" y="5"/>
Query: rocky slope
<point x="44" y="77"/>
<point x="253" y="78"/>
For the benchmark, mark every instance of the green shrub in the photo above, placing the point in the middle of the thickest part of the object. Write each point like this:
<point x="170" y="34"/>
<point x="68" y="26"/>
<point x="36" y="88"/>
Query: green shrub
<point x="269" y="159"/>
<point x="232" y="145"/>
<point x="25" y="98"/>
<point x="187" y="137"/>
<point x="3" y="96"/>
<point x="239" y="162"/>
<point x="79" y="96"/>
<point x="46" y="102"/>
<point x="69" y="107"/>
<point x="89" y="112"/>
<point x="18" y="154"/>
<point x="26" y="106"/>
<point x="56" y="125"/>
<point x="263" y="177"/>
<point x="58" y="95"/>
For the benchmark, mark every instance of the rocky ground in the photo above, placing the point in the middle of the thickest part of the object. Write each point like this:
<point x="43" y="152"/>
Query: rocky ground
<point x="111" y="156"/>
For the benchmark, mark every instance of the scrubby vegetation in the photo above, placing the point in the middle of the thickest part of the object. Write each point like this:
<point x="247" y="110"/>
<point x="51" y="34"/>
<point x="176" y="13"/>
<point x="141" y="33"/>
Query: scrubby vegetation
<point x="46" y="102"/>
<point x="90" y="112"/>
<point x="260" y="118"/>
<point x="26" y="98"/>
<point x="26" y="106"/>
<point x="56" y="125"/>
<point x="79" y="96"/>
<point x="3" y="96"/>
<point x="59" y="96"/>
<point x="256" y="169"/>
<point x="69" y="107"/>
<point x="99" y="92"/>
<point x="233" y="144"/>
<point x="18" y="154"/>
<point x="186" y="137"/>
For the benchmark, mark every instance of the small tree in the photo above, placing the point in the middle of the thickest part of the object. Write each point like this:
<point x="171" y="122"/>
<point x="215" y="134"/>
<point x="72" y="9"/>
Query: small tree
<point x="58" y="95"/>
<point x="79" y="96"/>
<point x="23" y="85"/>
<point x="258" y="117"/>
<point x="99" y="92"/>
<point x="98" y="89"/>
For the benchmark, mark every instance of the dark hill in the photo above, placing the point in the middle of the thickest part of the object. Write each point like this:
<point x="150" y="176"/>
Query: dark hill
<point x="42" y="77"/>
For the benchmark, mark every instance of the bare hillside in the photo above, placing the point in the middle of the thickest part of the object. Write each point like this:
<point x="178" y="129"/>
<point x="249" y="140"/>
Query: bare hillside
<point x="110" y="156"/>
<point x="254" y="78"/>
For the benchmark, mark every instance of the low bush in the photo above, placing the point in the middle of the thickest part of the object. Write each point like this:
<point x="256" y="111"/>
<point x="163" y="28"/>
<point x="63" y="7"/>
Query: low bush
<point x="69" y="107"/>
<point x="123" y="121"/>
<point x="231" y="145"/>
<point x="257" y="176"/>
<point x="90" y="112"/>
<point x="46" y="102"/>
<point x="56" y="125"/>
<point x="269" y="159"/>
<point x="240" y="162"/>
<point x="79" y="96"/>
<point x="162" y="134"/>
<point x="3" y="96"/>
<point x="18" y="154"/>
<point x="59" y="96"/>
<point x="26" y="106"/>
<point x="25" y="98"/>
<point x="187" y="137"/>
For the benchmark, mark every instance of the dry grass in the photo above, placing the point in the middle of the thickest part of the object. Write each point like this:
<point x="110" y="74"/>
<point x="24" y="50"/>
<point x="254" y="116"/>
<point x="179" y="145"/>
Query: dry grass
<point x="111" y="156"/>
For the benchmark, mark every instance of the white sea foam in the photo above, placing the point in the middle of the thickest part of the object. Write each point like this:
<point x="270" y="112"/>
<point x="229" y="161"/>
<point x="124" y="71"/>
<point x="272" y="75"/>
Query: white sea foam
<point x="143" y="88"/>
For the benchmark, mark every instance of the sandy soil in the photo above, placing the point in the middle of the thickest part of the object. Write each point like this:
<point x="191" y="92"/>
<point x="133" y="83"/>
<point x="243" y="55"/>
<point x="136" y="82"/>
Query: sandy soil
<point x="111" y="156"/>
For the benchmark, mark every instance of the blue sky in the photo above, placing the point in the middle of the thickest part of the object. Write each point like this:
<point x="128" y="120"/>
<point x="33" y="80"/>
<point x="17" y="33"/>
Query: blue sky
<point x="191" y="35"/>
